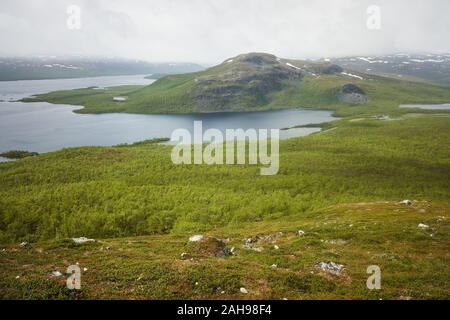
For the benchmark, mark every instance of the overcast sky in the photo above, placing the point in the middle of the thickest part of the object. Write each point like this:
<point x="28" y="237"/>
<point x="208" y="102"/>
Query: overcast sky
<point x="209" y="31"/>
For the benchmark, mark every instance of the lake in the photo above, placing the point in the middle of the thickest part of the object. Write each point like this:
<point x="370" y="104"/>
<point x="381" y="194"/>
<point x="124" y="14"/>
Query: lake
<point x="43" y="127"/>
<point x="445" y="106"/>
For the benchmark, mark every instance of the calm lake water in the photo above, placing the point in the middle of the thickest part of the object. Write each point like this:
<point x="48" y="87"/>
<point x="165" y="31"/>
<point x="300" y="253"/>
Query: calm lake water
<point x="43" y="127"/>
<point x="445" y="106"/>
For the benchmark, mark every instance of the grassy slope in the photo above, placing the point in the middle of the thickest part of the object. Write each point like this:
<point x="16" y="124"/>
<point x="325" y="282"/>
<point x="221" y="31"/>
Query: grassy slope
<point x="136" y="190"/>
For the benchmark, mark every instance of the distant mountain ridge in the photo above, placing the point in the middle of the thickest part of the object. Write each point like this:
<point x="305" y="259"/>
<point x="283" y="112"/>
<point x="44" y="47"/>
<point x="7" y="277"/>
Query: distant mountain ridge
<point x="433" y="68"/>
<point x="75" y="67"/>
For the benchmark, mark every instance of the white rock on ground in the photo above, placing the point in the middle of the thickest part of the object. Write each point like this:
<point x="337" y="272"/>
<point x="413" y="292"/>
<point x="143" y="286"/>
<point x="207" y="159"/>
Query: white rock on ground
<point x="300" y="232"/>
<point x="423" y="226"/>
<point x="23" y="244"/>
<point x="330" y="267"/>
<point x="82" y="240"/>
<point x="276" y="247"/>
<point x="120" y="99"/>
<point x="243" y="290"/>
<point x="195" y="238"/>
<point x="56" y="274"/>
<point x="406" y="202"/>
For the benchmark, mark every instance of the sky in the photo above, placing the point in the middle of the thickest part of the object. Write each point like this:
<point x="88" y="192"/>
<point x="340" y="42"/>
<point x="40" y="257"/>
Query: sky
<point x="210" y="31"/>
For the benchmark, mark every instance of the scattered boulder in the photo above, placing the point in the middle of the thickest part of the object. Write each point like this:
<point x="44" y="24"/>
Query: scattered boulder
<point x="81" y="240"/>
<point x="276" y="247"/>
<point x="330" y="267"/>
<point x="195" y="238"/>
<point x="382" y="117"/>
<point x="24" y="244"/>
<point x="301" y="233"/>
<point x="56" y="274"/>
<point x="120" y="99"/>
<point x="423" y="226"/>
<point x="406" y="202"/>
<point x="243" y="290"/>
<point x="185" y="256"/>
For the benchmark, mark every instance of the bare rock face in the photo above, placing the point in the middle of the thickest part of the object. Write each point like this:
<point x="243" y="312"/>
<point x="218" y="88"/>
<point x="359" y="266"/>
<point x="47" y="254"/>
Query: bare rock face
<point x="352" y="94"/>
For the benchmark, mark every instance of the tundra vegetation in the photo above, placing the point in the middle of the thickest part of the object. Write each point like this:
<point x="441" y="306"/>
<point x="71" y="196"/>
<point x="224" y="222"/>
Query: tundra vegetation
<point x="341" y="188"/>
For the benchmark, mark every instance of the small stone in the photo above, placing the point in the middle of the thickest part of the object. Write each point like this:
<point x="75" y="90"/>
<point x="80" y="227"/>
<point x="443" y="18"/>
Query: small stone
<point x="23" y="244"/>
<point x="81" y="240"/>
<point x="184" y="256"/>
<point x="300" y="232"/>
<point x="17" y="277"/>
<point x="276" y="247"/>
<point x="195" y="238"/>
<point x="423" y="226"/>
<point x="85" y="269"/>
<point x="243" y="290"/>
<point x="56" y="274"/>
<point x="274" y="266"/>
<point x="406" y="202"/>
<point x="330" y="267"/>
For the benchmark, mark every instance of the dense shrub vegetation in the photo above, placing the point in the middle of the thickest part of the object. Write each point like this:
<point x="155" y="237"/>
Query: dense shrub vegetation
<point x="136" y="190"/>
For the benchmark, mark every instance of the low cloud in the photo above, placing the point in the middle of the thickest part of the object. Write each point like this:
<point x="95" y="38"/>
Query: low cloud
<point x="209" y="31"/>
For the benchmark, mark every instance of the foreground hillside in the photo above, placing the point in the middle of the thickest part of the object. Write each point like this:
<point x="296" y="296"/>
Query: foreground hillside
<point x="412" y="260"/>
<point x="255" y="82"/>
<point x="341" y="187"/>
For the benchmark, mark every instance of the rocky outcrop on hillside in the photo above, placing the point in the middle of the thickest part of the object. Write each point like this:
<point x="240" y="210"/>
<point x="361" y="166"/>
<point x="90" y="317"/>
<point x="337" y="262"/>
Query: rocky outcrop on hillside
<point x="352" y="94"/>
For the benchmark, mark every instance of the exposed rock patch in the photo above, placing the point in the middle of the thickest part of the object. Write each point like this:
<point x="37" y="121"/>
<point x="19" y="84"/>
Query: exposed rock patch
<point x="352" y="94"/>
